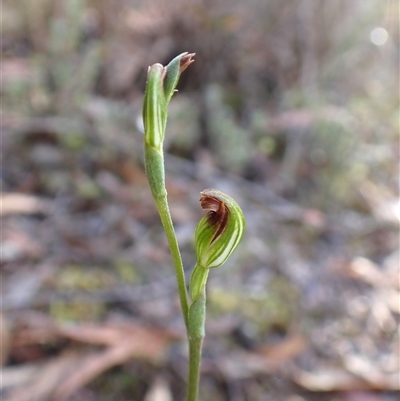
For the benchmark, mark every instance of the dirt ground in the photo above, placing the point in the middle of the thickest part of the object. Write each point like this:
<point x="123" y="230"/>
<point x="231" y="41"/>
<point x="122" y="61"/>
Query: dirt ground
<point x="292" y="108"/>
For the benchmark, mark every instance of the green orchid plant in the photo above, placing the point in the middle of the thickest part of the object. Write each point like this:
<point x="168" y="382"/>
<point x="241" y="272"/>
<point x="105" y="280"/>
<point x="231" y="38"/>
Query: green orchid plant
<point x="217" y="234"/>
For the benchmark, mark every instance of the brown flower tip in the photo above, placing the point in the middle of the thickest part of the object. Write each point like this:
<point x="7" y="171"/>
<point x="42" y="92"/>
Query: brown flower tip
<point x="185" y="61"/>
<point x="218" y="211"/>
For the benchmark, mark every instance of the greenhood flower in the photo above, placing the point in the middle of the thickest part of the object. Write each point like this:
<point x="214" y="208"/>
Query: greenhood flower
<point x="220" y="231"/>
<point x="217" y="236"/>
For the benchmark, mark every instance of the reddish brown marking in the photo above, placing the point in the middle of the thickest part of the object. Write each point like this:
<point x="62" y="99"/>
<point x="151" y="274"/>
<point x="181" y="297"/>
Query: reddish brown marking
<point x="218" y="212"/>
<point x="186" y="60"/>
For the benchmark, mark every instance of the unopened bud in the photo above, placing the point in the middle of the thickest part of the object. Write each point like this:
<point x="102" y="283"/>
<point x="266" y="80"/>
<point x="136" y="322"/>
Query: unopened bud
<point x="154" y="107"/>
<point x="160" y="86"/>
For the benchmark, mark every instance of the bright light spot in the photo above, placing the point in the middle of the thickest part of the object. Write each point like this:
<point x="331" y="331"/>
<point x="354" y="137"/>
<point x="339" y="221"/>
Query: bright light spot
<point x="139" y="123"/>
<point x="379" y="36"/>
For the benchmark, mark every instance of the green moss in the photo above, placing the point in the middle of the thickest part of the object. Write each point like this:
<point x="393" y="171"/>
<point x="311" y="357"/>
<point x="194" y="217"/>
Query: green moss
<point x="73" y="141"/>
<point x="87" y="188"/>
<point x="76" y="277"/>
<point x="126" y="271"/>
<point x="275" y="307"/>
<point x="76" y="311"/>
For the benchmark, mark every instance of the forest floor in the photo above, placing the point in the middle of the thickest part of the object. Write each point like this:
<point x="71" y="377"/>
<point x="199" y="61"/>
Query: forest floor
<point x="307" y="308"/>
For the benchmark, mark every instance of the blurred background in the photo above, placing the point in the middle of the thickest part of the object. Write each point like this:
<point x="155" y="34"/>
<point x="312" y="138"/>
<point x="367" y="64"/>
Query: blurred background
<point x="292" y="108"/>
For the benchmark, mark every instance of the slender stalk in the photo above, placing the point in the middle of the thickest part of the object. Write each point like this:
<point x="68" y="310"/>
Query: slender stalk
<point x="195" y="347"/>
<point x="165" y="215"/>
<point x="197" y="317"/>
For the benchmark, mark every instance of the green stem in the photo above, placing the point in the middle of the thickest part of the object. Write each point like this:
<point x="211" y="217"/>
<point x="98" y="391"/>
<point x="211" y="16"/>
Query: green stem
<point x="165" y="215"/>
<point x="197" y="316"/>
<point x="195" y="346"/>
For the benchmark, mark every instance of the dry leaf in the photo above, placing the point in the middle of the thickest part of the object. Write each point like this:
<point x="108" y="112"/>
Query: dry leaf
<point x="159" y="391"/>
<point x="114" y="334"/>
<point x="17" y="203"/>
<point x="16" y="244"/>
<point x="286" y="349"/>
<point x="4" y="340"/>
<point x="368" y="271"/>
<point x="63" y="376"/>
<point x="335" y="379"/>
<point x="363" y="368"/>
<point x="128" y="341"/>
<point x="328" y="380"/>
<point x="264" y="360"/>
<point x="46" y="378"/>
<point x="385" y="206"/>
<point x="17" y="376"/>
